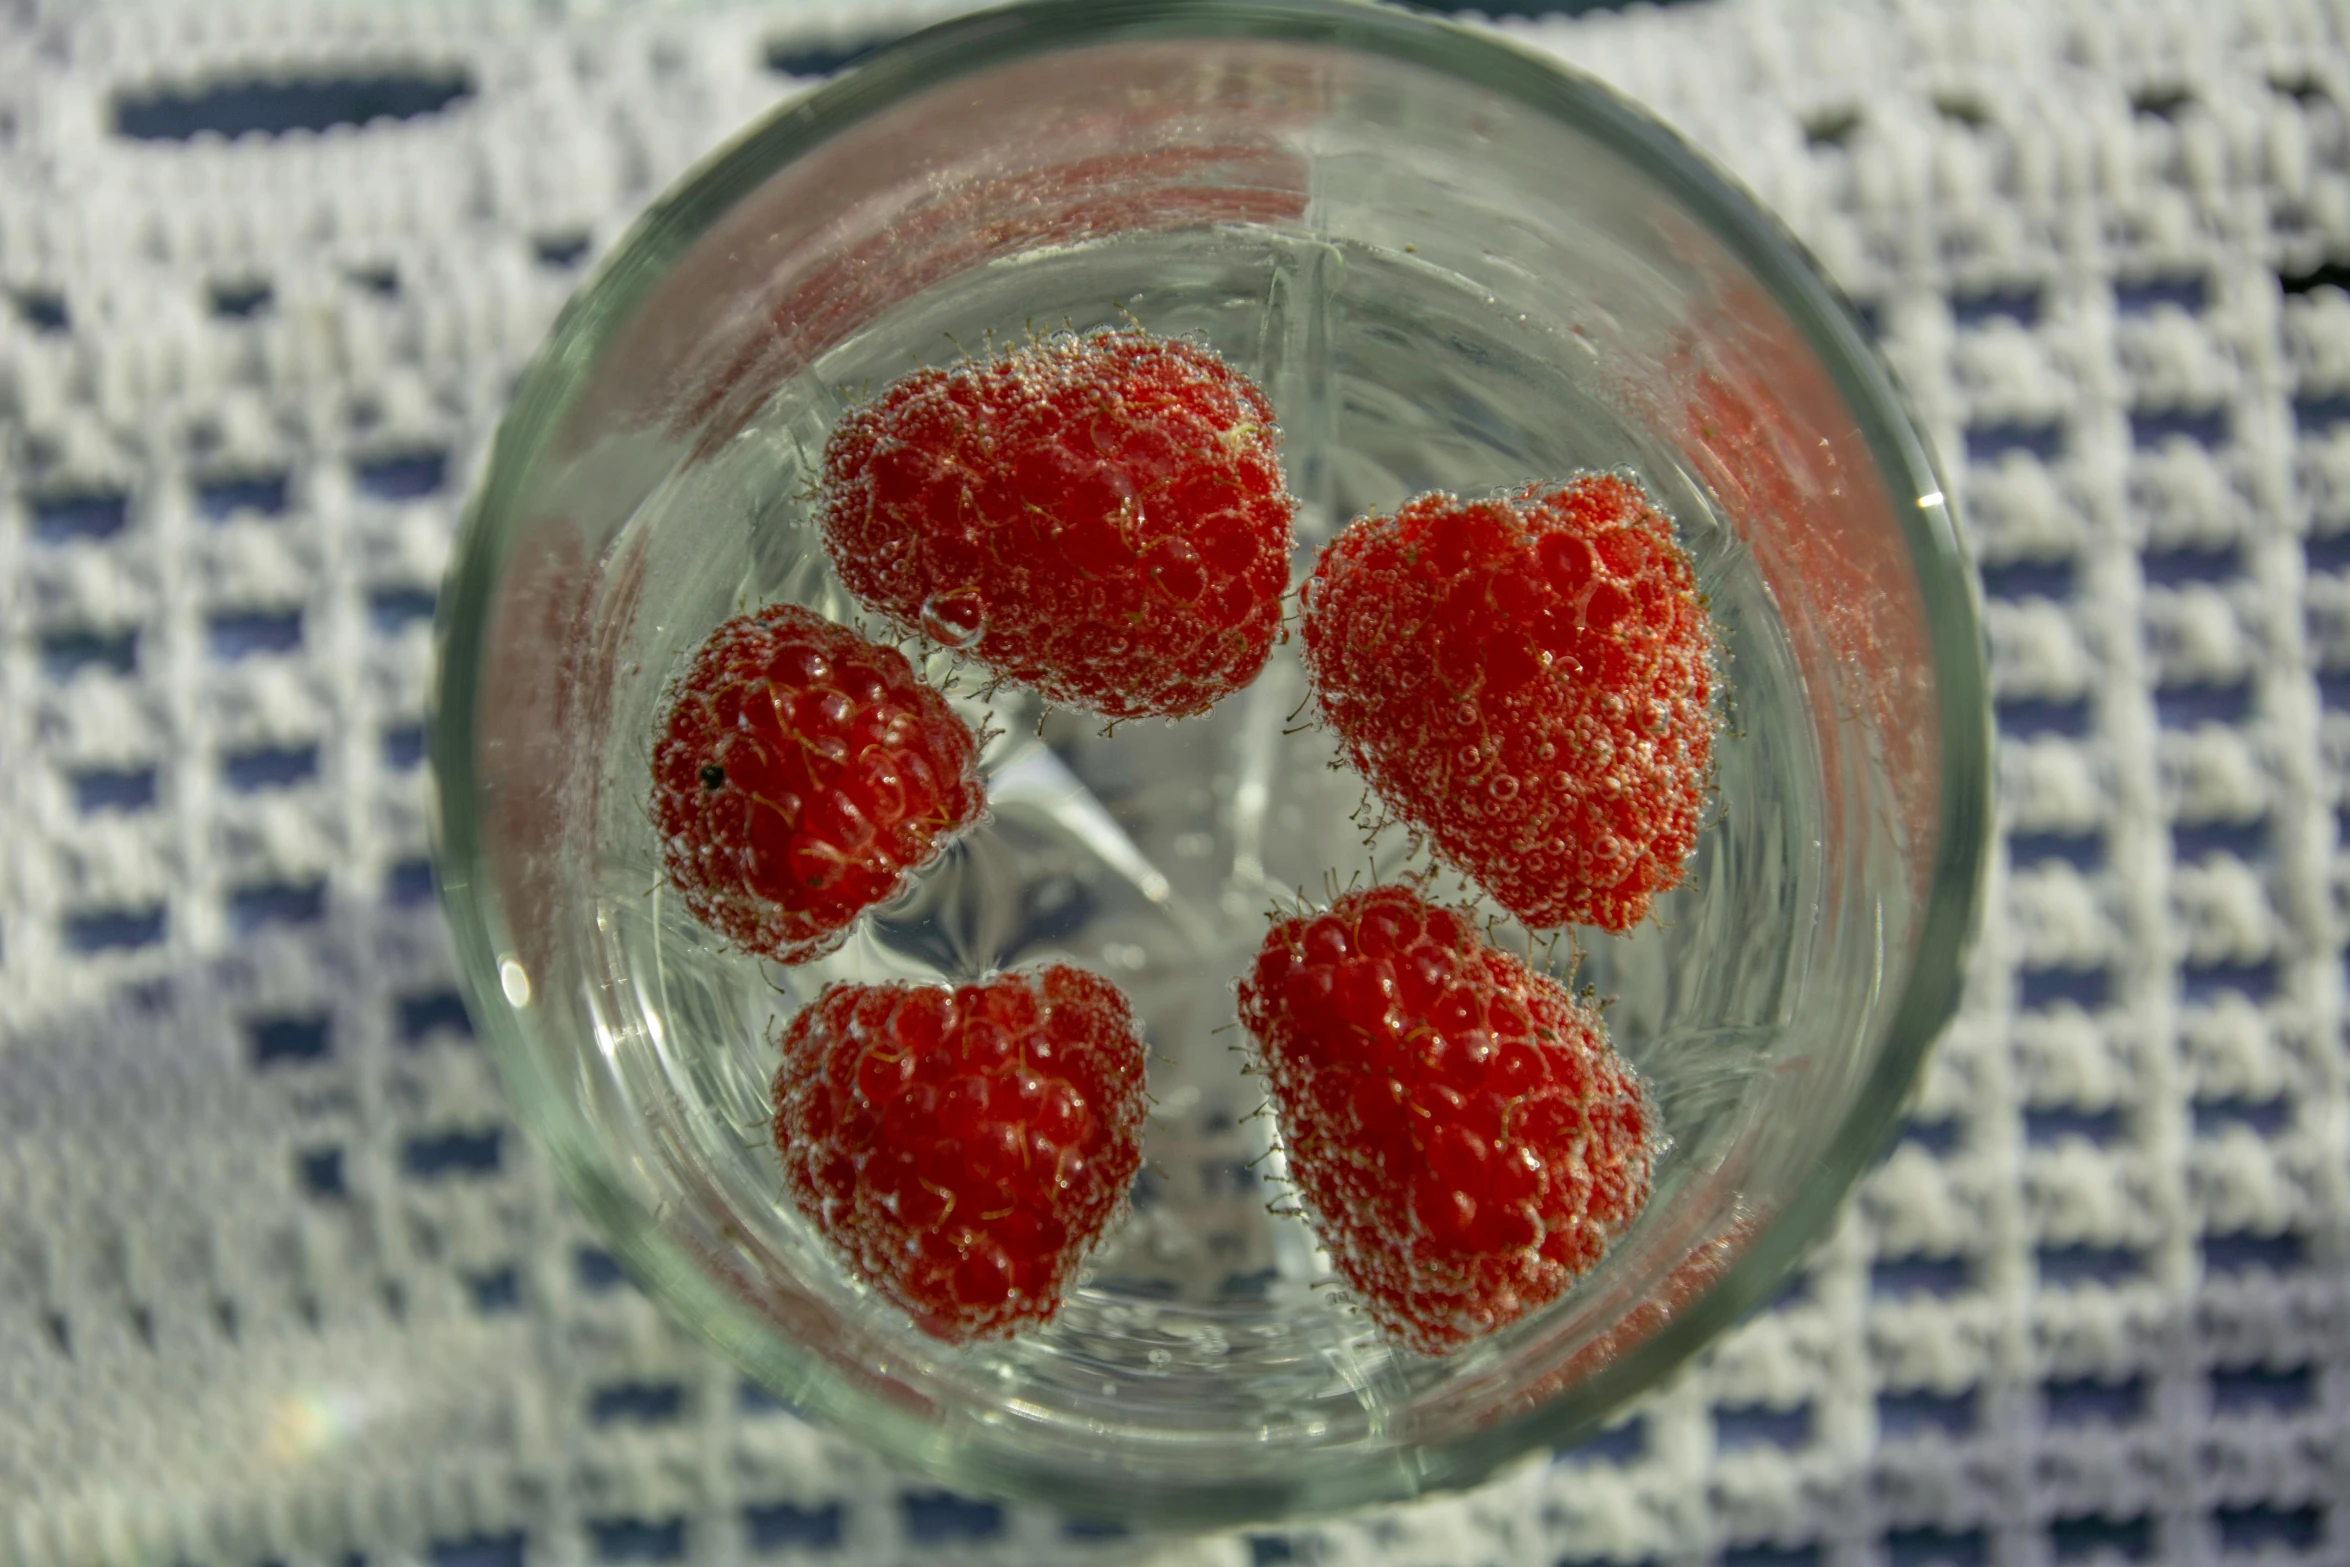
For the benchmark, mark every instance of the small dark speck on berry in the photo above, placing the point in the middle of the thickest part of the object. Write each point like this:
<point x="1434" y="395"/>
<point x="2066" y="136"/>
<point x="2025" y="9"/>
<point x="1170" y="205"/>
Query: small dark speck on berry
<point x="713" y="776"/>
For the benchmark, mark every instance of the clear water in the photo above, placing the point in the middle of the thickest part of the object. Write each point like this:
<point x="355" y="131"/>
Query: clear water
<point x="1154" y="854"/>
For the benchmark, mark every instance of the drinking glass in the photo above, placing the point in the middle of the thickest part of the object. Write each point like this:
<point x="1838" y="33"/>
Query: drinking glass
<point x="1451" y="265"/>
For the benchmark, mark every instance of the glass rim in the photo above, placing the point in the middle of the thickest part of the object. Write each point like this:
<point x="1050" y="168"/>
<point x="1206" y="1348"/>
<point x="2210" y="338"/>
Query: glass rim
<point x="985" y="40"/>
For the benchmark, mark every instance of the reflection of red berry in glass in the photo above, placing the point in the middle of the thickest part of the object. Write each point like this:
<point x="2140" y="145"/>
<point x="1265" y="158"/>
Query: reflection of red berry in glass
<point x="1529" y="682"/>
<point x="1465" y="1140"/>
<point x="1100" y="517"/>
<point x="800" y="772"/>
<point x="963" y="1148"/>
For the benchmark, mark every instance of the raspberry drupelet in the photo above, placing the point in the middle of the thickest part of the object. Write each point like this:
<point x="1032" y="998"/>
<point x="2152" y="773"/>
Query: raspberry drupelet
<point x="1101" y="517"/>
<point x="963" y="1148"/>
<point x="1528" y="680"/>
<point x="1465" y="1141"/>
<point x="800" y="773"/>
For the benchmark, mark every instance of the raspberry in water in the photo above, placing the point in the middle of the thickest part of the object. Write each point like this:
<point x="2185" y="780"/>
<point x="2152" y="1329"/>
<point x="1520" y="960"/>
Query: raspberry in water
<point x="1465" y="1141"/>
<point x="1527" y="680"/>
<point x="800" y="773"/>
<point x="1101" y="517"/>
<point x="963" y="1148"/>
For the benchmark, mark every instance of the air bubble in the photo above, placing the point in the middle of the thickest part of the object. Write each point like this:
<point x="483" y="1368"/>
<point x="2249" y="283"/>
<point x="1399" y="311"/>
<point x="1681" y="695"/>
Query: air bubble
<point x="1612" y="704"/>
<point x="514" y="980"/>
<point x="957" y="619"/>
<point x="1466" y="713"/>
<point x="1607" y="846"/>
<point x="804" y="666"/>
<point x="1503" y="788"/>
<point x="1469" y="755"/>
<point x="1546" y="752"/>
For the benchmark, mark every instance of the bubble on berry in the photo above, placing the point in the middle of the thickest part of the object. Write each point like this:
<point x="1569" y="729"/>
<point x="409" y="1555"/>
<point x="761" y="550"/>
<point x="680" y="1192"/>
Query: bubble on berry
<point x="956" y="619"/>
<point x="1546" y="752"/>
<point x="1466" y="712"/>
<point x="1469" y="755"/>
<point x="1503" y="788"/>
<point x="1607" y="846"/>
<point x="804" y="666"/>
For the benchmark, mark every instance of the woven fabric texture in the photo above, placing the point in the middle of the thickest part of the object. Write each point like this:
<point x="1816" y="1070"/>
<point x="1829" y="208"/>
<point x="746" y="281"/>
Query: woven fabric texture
<point x="279" y="1282"/>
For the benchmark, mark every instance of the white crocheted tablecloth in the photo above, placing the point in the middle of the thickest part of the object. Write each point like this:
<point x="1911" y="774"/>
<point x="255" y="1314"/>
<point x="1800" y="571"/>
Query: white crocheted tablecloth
<point x="280" y="1283"/>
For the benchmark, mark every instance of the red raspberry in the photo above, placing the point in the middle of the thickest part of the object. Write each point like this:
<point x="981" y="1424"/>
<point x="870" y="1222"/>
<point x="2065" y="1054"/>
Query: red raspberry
<point x="1464" y="1139"/>
<point x="1100" y="517"/>
<point x="1529" y="682"/>
<point x="801" y="772"/>
<point x="963" y="1148"/>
